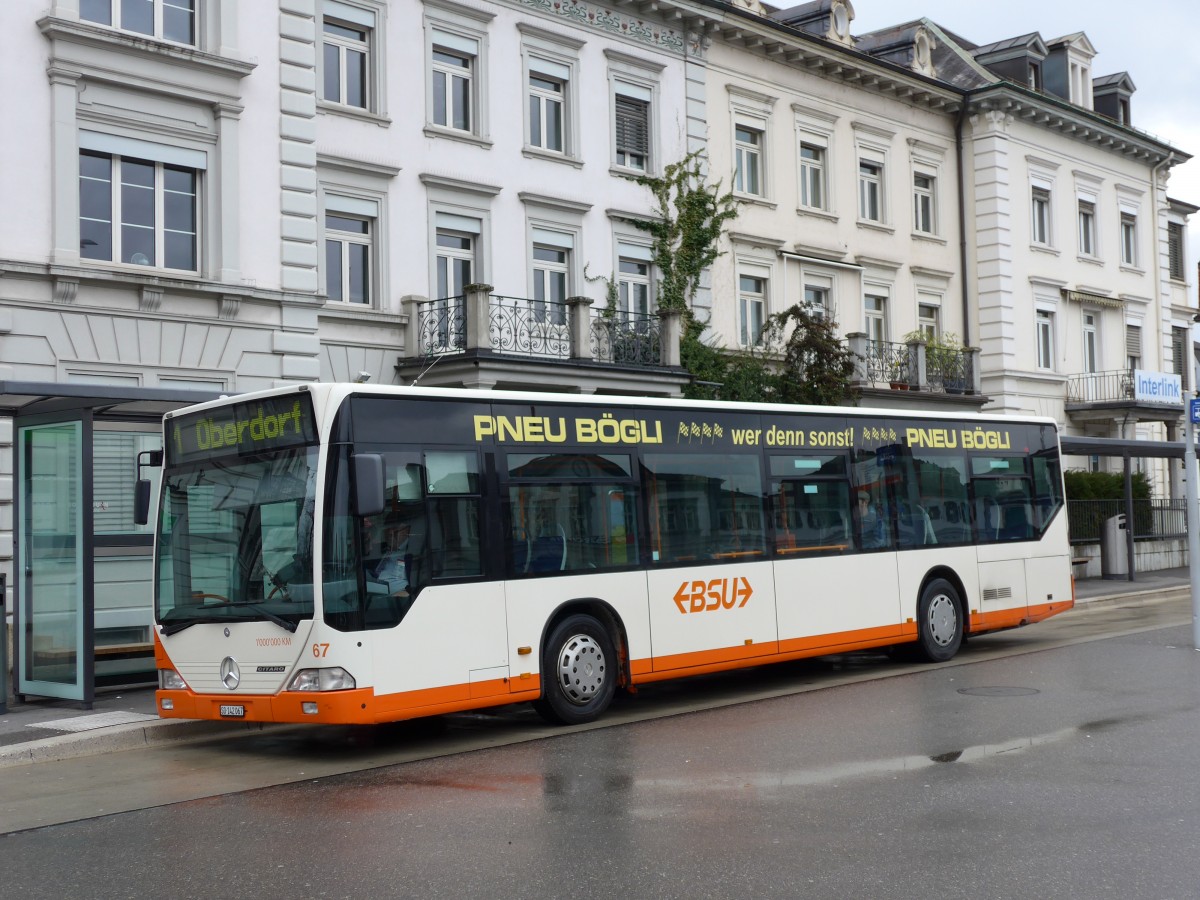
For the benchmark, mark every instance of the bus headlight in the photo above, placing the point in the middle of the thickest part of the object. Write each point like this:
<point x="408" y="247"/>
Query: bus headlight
<point x="332" y="679"/>
<point x="170" y="680"/>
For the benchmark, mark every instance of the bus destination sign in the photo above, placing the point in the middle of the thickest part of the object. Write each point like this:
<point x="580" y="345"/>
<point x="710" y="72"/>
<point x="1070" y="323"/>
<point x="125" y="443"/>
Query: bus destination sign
<point x="256" y="426"/>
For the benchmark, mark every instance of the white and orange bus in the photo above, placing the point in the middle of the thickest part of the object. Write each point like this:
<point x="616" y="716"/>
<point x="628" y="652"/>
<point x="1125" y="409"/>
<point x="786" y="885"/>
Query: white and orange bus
<point x="341" y="553"/>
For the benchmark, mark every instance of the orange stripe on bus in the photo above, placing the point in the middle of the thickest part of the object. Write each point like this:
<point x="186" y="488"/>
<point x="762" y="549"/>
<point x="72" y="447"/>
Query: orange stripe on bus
<point x="706" y="661"/>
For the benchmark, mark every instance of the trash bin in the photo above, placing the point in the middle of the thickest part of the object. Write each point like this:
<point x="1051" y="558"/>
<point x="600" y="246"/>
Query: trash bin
<point x="1114" y="553"/>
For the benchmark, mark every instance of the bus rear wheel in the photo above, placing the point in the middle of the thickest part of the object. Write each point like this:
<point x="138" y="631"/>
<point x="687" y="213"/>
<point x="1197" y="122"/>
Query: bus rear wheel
<point x="578" y="672"/>
<point x="939" y="621"/>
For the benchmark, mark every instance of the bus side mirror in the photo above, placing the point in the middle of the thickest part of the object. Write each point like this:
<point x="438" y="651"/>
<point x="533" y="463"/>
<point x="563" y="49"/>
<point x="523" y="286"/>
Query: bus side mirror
<point x="141" y="496"/>
<point x="369" y="498"/>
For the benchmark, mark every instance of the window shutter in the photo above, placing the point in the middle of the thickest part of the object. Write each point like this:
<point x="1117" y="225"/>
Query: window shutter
<point x="632" y="125"/>
<point x="1178" y="344"/>
<point x="1175" y="249"/>
<point x="1133" y="341"/>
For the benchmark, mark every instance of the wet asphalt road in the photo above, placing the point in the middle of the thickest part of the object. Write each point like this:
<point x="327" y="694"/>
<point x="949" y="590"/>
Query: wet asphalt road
<point x="1069" y="772"/>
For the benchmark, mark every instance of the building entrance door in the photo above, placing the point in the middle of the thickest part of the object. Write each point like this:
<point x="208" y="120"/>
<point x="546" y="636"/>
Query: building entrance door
<point x="53" y="621"/>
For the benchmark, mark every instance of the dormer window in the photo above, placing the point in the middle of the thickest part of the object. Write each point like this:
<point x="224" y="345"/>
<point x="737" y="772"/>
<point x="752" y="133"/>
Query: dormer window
<point x="1123" y="111"/>
<point x="1035" y="76"/>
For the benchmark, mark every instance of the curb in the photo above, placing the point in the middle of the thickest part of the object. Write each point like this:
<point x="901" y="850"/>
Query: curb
<point x="1145" y="595"/>
<point x="115" y="738"/>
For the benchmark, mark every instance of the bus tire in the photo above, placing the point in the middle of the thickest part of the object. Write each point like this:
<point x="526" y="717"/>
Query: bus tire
<point x="939" y="621"/>
<point x="579" y="672"/>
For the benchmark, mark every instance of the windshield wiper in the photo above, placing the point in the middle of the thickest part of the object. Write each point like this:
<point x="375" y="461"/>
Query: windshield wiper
<point x="281" y="622"/>
<point x="176" y="627"/>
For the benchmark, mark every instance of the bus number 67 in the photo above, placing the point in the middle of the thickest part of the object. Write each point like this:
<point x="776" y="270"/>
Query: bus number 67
<point x="320" y="650"/>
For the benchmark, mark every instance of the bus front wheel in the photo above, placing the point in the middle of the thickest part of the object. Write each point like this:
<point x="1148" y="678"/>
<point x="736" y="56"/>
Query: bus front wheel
<point x="578" y="672"/>
<point x="939" y="621"/>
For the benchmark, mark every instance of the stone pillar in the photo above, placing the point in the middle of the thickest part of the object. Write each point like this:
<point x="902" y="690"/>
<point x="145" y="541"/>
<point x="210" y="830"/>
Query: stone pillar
<point x="857" y="341"/>
<point x="410" y="306"/>
<point x="580" y="323"/>
<point x="64" y="162"/>
<point x="477" y="316"/>
<point x="975" y="382"/>
<point x="670" y="334"/>
<point x="918" y="372"/>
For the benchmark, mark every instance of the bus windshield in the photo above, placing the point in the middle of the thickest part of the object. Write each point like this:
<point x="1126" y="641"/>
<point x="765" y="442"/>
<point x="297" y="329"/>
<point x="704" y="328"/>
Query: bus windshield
<point x="235" y="540"/>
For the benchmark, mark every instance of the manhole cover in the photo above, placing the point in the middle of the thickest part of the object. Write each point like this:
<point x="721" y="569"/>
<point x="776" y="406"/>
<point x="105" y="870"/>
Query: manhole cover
<point x="999" y="691"/>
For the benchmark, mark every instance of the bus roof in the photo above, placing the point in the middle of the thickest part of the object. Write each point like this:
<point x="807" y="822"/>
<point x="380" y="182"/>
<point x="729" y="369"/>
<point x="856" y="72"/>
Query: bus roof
<point x="326" y="393"/>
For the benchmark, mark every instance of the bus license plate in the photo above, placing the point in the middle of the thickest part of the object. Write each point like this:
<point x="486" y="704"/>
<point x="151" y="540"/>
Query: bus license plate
<point x="233" y="711"/>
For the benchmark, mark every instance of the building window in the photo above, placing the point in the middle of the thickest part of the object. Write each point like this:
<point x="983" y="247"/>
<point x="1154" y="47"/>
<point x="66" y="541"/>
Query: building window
<point x="929" y="320"/>
<point x="551" y="271"/>
<point x="748" y="150"/>
<point x="1045" y="339"/>
<point x="923" y="203"/>
<point x="1087" y="228"/>
<point x="453" y="80"/>
<point x="547" y="106"/>
<point x="875" y="321"/>
<point x="752" y="302"/>
<point x="1175" y="250"/>
<point x="634" y="297"/>
<point x="169" y="20"/>
<point x="631" y="127"/>
<point x="1133" y="346"/>
<point x="1091" y="353"/>
<point x="812" y="176"/>
<point x="870" y="191"/>
<point x="1035" y="76"/>
<point x="817" y="300"/>
<point x="1129" y="239"/>
<point x="348" y="273"/>
<point x="455" y="262"/>
<point x="345" y="59"/>
<point x="138" y="212"/>
<point x="1040" y="224"/>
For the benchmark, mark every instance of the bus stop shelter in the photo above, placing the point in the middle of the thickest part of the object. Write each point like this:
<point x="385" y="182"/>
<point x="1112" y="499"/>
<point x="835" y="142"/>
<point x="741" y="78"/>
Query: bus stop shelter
<point x="82" y="569"/>
<point x="1126" y="451"/>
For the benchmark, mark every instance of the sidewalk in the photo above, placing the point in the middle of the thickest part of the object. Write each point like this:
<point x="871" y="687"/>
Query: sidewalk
<point x="43" y="730"/>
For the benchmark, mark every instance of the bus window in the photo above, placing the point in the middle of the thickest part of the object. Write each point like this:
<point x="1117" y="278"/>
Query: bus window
<point x="453" y="538"/>
<point x="565" y="513"/>
<point x="876" y="491"/>
<point x="1047" y="488"/>
<point x="704" y="506"/>
<point x="1003" y="499"/>
<point x="941" y="480"/>
<point x="811" y="504"/>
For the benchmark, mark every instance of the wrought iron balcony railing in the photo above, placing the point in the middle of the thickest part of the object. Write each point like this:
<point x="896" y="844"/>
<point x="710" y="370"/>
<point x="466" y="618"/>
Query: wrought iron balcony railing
<point x="540" y="329"/>
<point x="913" y="366"/>
<point x="441" y="327"/>
<point x="1100" y="387"/>
<point x="530" y="327"/>
<point x="628" y="339"/>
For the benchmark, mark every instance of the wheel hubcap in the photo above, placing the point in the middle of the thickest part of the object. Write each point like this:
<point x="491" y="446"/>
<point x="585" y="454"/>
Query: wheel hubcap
<point x="943" y="620"/>
<point x="581" y="669"/>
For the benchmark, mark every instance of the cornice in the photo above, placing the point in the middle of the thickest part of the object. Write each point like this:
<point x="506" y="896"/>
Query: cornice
<point x="1074" y="122"/>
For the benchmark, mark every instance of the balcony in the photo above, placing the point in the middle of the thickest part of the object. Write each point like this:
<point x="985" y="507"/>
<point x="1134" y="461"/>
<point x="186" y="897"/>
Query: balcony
<point x="488" y="340"/>
<point x="1134" y="394"/>
<point x="890" y="373"/>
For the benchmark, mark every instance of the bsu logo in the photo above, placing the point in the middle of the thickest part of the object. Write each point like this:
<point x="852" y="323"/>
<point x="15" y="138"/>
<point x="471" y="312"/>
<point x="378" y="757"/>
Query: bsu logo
<point x="707" y="596"/>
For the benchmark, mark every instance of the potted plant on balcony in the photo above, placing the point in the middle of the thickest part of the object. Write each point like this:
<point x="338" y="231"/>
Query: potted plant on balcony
<point x="944" y="360"/>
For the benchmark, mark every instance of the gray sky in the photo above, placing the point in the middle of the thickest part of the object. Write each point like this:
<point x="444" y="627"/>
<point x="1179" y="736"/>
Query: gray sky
<point x="1158" y="44"/>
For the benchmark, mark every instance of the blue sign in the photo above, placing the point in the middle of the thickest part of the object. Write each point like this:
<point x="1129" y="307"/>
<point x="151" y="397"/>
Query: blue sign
<point x="1194" y="404"/>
